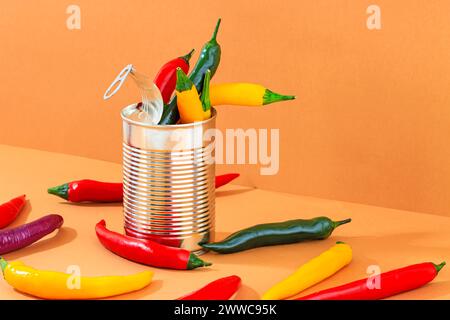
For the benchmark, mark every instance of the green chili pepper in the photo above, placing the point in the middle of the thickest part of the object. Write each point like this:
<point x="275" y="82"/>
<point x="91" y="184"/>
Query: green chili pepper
<point x="209" y="60"/>
<point x="269" y="234"/>
<point x="206" y="101"/>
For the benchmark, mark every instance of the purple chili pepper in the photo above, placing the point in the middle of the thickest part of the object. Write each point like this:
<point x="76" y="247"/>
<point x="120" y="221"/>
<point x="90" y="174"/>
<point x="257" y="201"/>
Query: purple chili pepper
<point x="20" y="237"/>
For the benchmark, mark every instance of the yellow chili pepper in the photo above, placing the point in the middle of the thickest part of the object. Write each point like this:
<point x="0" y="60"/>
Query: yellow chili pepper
<point x="58" y="285"/>
<point x="312" y="272"/>
<point x="189" y="104"/>
<point x="246" y="94"/>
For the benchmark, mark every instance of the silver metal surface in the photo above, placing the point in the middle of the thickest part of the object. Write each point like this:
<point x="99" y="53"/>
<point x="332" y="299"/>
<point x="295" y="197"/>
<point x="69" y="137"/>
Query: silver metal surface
<point x="152" y="101"/>
<point x="169" y="181"/>
<point x="118" y="81"/>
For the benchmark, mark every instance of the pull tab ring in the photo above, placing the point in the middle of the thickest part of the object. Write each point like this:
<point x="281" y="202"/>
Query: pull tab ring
<point x="117" y="83"/>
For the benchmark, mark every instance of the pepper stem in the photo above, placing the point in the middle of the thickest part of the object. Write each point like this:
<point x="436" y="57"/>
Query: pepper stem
<point x="3" y="264"/>
<point x="60" y="191"/>
<point x="216" y="30"/>
<point x="188" y="56"/>
<point x="439" y="266"/>
<point x="196" y="262"/>
<point x="271" y="97"/>
<point x="206" y="102"/>
<point x="183" y="82"/>
<point x="339" y="223"/>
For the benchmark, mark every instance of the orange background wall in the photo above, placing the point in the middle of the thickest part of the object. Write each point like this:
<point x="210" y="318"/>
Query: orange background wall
<point x="372" y="119"/>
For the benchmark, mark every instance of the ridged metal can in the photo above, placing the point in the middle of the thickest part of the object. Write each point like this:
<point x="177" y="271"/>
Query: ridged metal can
<point x="169" y="181"/>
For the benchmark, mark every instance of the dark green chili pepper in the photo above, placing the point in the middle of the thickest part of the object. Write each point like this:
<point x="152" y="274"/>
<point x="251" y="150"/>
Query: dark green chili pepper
<point x="269" y="234"/>
<point x="209" y="60"/>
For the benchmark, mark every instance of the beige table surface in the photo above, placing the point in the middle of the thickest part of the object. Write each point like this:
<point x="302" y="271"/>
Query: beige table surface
<point x="379" y="236"/>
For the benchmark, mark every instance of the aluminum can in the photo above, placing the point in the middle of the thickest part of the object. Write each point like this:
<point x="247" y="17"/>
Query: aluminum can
<point x="169" y="181"/>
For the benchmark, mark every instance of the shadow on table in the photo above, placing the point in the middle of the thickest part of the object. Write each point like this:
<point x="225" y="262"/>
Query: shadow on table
<point x="146" y="292"/>
<point x="225" y="193"/>
<point x="247" y="293"/>
<point x="92" y="204"/>
<point x="431" y="291"/>
<point x="64" y="236"/>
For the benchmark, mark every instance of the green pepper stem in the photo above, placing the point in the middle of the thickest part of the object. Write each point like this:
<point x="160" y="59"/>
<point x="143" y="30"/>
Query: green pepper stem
<point x="61" y="191"/>
<point x="188" y="56"/>
<point x="183" y="82"/>
<point x="195" y="262"/>
<point x="339" y="223"/>
<point x="439" y="266"/>
<point x="216" y="30"/>
<point x="271" y="97"/>
<point x="3" y="263"/>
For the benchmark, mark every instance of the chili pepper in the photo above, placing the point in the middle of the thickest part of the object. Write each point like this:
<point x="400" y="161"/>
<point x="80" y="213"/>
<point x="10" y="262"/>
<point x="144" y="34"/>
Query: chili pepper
<point x="312" y="272"/>
<point x="163" y="240"/>
<point x="20" y="237"/>
<point x="391" y="283"/>
<point x="147" y="252"/>
<point x="209" y="60"/>
<point x="270" y="234"/>
<point x="247" y="94"/>
<point x="10" y="210"/>
<point x="96" y="191"/>
<point x="58" y="285"/>
<point x="189" y="104"/>
<point x="166" y="78"/>
<point x="89" y="190"/>
<point x="225" y="179"/>
<point x="205" y="99"/>
<point x="220" y="289"/>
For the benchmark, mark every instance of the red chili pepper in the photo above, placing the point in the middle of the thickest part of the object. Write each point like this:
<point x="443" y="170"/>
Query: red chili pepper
<point x="10" y="210"/>
<point x="89" y="190"/>
<point x="167" y="241"/>
<point x="147" y="252"/>
<point x="96" y="191"/>
<point x="225" y="179"/>
<point x="220" y="289"/>
<point x="391" y="283"/>
<point x="166" y="78"/>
